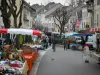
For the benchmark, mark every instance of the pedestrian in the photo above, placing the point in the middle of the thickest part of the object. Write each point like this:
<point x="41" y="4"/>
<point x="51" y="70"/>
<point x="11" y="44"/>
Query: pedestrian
<point x="50" y="41"/>
<point x="65" y="44"/>
<point x="98" y="43"/>
<point x="54" y="44"/>
<point x="46" y="42"/>
<point x="68" y="43"/>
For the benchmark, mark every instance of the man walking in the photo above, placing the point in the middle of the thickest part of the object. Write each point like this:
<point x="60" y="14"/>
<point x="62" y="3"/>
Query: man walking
<point x="54" y="44"/>
<point x="65" y="44"/>
<point x="50" y="41"/>
<point x="68" y="43"/>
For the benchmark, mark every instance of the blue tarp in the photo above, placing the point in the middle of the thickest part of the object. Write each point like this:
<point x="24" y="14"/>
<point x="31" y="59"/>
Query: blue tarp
<point x="82" y="35"/>
<point x="70" y="34"/>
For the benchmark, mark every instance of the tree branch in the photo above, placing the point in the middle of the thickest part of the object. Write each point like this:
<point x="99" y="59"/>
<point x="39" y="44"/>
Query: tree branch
<point x="56" y="23"/>
<point x="21" y="8"/>
<point x="14" y="5"/>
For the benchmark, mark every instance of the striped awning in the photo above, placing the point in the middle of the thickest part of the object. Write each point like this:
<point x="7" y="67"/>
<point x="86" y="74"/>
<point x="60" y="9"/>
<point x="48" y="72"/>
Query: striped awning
<point x="94" y="29"/>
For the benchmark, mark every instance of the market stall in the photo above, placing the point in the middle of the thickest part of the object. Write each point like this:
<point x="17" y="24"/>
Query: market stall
<point x="27" y="54"/>
<point x="77" y="46"/>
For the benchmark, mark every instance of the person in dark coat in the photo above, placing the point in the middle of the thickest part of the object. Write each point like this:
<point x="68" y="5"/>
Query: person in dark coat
<point x="98" y="43"/>
<point x="50" y="41"/>
<point x="65" y="44"/>
<point x="54" y="44"/>
<point x="68" y="43"/>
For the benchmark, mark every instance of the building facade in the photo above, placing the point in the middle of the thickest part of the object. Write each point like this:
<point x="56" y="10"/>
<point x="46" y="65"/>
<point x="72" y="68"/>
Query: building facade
<point x="1" y="21"/>
<point x="96" y="13"/>
<point x="28" y="16"/>
<point x="45" y="17"/>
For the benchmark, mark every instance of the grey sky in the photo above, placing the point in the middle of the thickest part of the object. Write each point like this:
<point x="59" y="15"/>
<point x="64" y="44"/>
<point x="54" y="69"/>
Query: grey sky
<point x="66" y="2"/>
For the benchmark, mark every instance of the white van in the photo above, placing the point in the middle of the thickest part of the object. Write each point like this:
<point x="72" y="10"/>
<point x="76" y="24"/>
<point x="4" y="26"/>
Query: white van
<point x="92" y="41"/>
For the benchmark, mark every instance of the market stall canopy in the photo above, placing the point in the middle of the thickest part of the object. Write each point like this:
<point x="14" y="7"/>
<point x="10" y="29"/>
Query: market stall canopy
<point x="82" y="35"/>
<point x="21" y="31"/>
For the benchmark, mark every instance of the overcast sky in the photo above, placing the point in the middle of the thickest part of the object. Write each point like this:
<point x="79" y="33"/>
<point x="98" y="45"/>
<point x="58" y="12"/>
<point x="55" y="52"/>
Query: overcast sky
<point x="66" y="2"/>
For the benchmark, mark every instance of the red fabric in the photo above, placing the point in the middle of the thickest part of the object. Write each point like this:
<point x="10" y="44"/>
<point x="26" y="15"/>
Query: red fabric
<point x="87" y="45"/>
<point x="77" y="23"/>
<point x="68" y="41"/>
<point x="4" y="31"/>
<point x="36" y="32"/>
<point x="31" y="58"/>
<point x="98" y="29"/>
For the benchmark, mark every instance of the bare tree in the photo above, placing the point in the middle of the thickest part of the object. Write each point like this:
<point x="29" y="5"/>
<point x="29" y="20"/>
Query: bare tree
<point x="5" y="13"/>
<point x="16" y="12"/>
<point x="61" y="18"/>
<point x="8" y="8"/>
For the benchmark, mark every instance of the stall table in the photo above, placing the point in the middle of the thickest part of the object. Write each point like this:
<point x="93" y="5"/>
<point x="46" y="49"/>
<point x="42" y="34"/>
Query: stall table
<point x="31" y="58"/>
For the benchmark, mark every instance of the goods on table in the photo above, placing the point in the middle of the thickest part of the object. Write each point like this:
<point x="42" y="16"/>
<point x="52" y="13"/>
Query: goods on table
<point x="10" y="61"/>
<point x="26" y="49"/>
<point x="10" y="67"/>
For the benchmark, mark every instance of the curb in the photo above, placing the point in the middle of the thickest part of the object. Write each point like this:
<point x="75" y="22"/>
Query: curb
<point x="36" y="64"/>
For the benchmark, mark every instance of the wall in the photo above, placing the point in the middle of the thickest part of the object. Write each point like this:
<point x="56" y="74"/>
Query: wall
<point x="96" y="14"/>
<point x="86" y="18"/>
<point x="1" y="21"/>
<point x="27" y="23"/>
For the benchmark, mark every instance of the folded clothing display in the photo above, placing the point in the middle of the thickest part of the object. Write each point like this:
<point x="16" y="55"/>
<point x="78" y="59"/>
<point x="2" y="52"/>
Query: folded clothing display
<point x="10" y="67"/>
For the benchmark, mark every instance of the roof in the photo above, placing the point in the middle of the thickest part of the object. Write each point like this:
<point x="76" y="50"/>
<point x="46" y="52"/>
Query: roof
<point x="39" y="10"/>
<point x="27" y="5"/>
<point x="53" y="9"/>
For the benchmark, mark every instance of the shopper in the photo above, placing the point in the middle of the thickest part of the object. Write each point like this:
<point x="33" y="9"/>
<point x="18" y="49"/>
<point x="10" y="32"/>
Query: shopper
<point x="65" y="44"/>
<point x="68" y="43"/>
<point x="54" y="44"/>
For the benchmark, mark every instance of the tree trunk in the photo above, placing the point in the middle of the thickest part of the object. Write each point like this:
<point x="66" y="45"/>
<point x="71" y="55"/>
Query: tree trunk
<point x="6" y="22"/>
<point x="60" y="33"/>
<point x="15" y="22"/>
<point x="17" y="42"/>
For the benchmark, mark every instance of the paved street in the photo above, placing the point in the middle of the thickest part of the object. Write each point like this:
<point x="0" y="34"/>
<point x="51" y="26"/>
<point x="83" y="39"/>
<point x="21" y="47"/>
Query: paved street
<point x="66" y="63"/>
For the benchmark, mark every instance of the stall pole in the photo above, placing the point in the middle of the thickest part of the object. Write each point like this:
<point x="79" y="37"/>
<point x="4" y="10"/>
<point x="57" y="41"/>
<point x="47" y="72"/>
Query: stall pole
<point x="10" y="36"/>
<point x="1" y="36"/>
